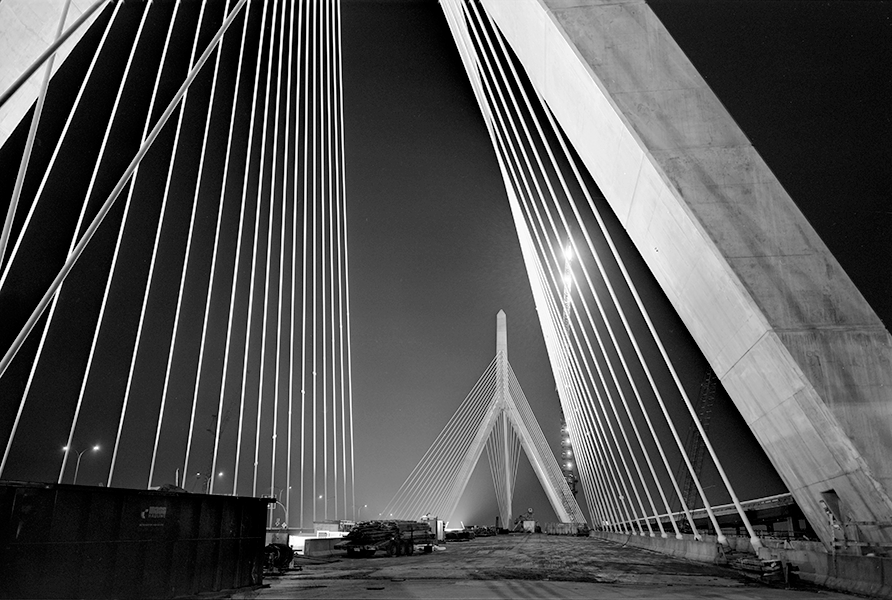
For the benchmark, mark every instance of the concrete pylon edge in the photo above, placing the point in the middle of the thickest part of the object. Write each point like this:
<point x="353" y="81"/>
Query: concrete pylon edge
<point x="27" y="28"/>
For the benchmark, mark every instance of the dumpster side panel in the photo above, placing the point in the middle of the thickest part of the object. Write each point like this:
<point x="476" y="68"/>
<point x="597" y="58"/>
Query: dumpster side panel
<point x="228" y="552"/>
<point x="24" y="527"/>
<point x="251" y="545"/>
<point x="205" y="564"/>
<point x="65" y="541"/>
<point x="129" y="550"/>
<point x="98" y="553"/>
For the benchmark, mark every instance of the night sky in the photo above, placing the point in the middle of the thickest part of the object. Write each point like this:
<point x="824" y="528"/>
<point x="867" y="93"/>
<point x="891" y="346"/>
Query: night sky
<point x="434" y="255"/>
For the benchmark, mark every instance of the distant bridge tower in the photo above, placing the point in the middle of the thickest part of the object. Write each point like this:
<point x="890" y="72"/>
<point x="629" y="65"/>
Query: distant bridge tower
<point x="502" y="422"/>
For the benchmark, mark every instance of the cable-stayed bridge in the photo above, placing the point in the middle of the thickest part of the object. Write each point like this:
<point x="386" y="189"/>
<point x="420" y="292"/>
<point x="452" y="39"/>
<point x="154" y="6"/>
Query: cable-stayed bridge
<point x="791" y="339"/>
<point x="496" y="416"/>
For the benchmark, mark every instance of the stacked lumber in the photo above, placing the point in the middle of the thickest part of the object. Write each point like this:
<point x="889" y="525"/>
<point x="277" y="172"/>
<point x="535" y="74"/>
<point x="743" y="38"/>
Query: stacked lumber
<point x="372" y="533"/>
<point x="414" y="531"/>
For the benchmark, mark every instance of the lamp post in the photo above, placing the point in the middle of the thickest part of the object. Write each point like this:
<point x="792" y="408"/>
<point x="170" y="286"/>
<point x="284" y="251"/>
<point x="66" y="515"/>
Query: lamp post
<point x="284" y="509"/>
<point x="207" y="480"/>
<point x="274" y="494"/>
<point x="77" y="465"/>
<point x="208" y="485"/>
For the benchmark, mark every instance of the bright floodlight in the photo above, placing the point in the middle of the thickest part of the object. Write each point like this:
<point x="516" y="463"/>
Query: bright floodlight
<point x="568" y="252"/>
<point x="96" y="447"/>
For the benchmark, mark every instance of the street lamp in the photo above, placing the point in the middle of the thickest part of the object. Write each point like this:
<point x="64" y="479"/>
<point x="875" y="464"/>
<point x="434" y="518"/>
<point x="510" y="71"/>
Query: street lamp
<point x="208" y="485"/>
<point x="77" y="465"/>
<point x="274" y="494"/>
<point x="277" y="492"/>
<point x="207" y="480"/>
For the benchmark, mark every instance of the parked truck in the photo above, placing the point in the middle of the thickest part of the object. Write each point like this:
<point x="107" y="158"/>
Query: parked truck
<point x="396" y="538"/>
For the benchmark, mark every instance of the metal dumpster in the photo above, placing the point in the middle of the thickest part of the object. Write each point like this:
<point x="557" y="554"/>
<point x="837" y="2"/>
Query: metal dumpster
<point x="67" y="541"/>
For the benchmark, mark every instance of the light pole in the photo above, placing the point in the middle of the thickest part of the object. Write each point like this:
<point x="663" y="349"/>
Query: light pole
<point x="285" y="510"/>
<point x="274" y="494"/>
<point x="359" y="517"/>
<point x="207" y="481"/>
<point x="208" y="485"/>
<point x="77" y="465"/>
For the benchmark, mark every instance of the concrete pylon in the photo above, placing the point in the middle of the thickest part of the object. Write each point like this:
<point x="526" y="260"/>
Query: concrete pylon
<point x="505" y="490"/>
<point x="502" y="335"/>
<point x="27" y="28"/>
<point x="805" y="359"/>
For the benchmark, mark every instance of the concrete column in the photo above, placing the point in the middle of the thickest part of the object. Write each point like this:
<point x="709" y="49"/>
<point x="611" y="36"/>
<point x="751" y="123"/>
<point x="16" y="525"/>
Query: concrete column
<point x="27" y="28"/>
<point x="502" y="335"/>
<point x="502" y="395"/>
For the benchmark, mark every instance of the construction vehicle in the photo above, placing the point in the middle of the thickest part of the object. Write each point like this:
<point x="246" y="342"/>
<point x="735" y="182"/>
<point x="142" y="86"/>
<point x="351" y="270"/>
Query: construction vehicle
<point x="277" y="558"/>
<point x="396" y="538"/>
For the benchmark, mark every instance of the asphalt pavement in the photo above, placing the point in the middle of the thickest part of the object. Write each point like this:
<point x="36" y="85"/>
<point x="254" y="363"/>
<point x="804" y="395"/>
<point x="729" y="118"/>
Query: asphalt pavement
<point x="525" y="566"/>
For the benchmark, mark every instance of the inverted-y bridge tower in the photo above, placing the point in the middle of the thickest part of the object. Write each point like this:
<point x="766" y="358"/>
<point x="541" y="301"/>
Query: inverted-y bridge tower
<point x="496" y="416"/>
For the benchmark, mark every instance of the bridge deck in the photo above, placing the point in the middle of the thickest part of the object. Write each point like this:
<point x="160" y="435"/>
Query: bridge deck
<point x="522" y="566"/>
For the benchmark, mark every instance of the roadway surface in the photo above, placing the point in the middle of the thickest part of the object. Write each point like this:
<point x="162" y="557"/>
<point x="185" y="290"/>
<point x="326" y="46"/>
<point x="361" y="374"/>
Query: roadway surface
<point x="523" y="566"/>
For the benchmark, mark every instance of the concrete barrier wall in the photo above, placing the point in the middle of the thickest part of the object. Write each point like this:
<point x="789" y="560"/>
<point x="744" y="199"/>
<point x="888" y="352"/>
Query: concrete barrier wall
<point x="706" y="550"/>
<point x="560" y="528"/>
<point x="870" y="575"/>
